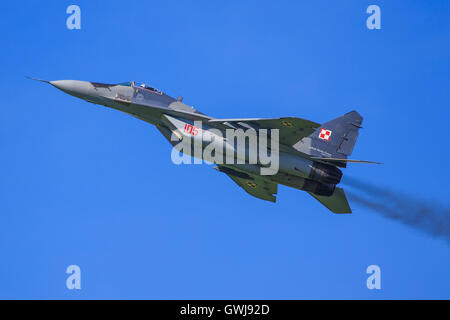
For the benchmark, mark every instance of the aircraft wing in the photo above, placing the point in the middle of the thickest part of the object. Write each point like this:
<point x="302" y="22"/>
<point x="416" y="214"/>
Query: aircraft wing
<point x="291" y="129"/>
<point x="337" y="202"/>
<point x="253" y="184"/>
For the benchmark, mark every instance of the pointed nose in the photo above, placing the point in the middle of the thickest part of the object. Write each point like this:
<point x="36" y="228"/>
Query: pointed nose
<point x="80" y="89"/>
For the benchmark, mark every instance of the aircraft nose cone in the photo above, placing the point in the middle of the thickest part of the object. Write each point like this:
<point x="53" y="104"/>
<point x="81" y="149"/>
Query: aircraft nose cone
<point x="80" y="89"/>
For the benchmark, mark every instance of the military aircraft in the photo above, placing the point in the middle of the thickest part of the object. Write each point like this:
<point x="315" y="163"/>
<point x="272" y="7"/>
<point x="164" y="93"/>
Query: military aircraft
<point x="310" y="153"/>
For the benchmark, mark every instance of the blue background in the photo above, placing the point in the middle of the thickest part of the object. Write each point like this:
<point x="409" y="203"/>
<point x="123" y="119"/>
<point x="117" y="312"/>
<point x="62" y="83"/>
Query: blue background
<point x="86" y="185"/>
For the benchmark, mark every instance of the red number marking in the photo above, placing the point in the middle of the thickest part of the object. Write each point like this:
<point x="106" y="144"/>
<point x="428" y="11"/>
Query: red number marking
<point x="189" y="128"/>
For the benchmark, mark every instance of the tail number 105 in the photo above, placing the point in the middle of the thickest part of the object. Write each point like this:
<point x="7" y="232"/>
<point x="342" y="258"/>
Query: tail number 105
<point x="190" y="129"/>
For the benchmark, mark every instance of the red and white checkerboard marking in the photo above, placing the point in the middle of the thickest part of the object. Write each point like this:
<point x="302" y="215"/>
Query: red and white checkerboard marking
<point x="325" y="134"/>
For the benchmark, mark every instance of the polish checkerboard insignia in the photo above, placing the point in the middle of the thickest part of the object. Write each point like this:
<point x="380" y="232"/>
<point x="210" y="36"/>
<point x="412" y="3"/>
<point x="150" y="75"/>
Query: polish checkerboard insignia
<point x="325" y="134"/>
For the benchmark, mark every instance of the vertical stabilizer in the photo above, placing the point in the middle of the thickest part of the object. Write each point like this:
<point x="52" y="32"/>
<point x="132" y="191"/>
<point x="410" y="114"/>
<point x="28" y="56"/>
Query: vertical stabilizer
<point x="333" y="139"/>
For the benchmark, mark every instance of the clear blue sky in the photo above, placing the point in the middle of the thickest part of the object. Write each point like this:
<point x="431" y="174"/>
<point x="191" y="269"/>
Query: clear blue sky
<point x="82" y="184"/>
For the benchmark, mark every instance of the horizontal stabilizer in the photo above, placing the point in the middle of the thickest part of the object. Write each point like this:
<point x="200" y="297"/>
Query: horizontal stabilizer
<point x="344" y="160"/>
<point x="337" y="202"/>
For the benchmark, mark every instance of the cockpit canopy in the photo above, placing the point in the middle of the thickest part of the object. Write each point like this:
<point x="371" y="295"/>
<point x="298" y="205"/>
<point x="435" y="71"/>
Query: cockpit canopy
<point x="140" y="85"/>
<point x="125" y="84"/>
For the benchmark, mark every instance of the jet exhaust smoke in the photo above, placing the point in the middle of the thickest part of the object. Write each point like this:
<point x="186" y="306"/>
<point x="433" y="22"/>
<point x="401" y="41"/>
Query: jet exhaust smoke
<point x="422" y="215"/>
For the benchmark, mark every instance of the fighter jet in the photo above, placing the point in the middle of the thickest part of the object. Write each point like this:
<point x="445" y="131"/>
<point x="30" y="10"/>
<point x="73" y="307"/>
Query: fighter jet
<point x="310" y="154"/>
